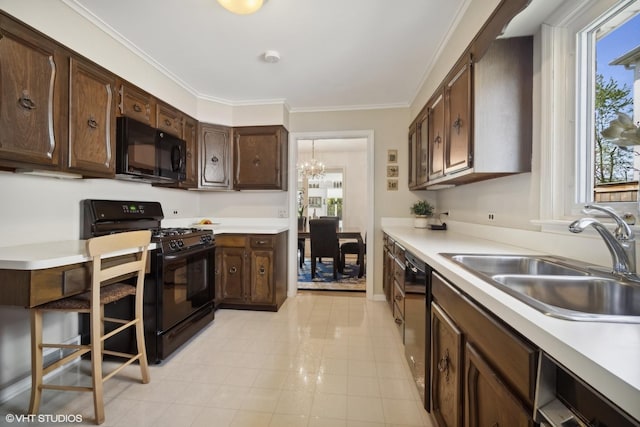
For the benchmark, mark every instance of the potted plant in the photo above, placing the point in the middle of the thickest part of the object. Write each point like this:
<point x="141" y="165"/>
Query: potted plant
<point x="421" y="210"/>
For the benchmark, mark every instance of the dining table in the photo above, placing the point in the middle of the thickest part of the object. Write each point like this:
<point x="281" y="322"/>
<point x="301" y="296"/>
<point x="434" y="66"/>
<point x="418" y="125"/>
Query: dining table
<point x="346" y="233"/>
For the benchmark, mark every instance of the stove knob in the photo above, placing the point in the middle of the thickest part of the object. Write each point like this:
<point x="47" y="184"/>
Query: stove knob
<point x="180" y="243"/>
<point x="172" y="244"/>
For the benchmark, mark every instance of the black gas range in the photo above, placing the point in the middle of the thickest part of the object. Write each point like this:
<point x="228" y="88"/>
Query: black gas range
<point x="179" y="287"/>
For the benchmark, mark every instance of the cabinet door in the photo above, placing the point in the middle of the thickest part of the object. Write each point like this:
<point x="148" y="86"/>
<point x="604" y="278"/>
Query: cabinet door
<point x="435" y="131"/>
<point x="215" y="146"/>
<point x="136" y="104"/>
<point x="260" y="158"/>
<point x="190" y="135"/>
<point x="458" y="99"/>
<point x="169" y="119"/>
<point x="422" y="150"/>
<point x="262" y="285"/>
<point x="446" y="376"/>
<point x="413" y="156"/>
<point x="488" y="402"/>
<point x="92" y="126"/>
<point x="232" y="275"/>
<point x="32" y="97"/>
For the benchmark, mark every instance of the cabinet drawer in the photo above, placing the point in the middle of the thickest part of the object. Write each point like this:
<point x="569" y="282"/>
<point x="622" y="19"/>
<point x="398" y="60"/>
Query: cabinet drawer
<point x="137" y="104"/>
<point x="398" y="318"/>
<point x="398" y="252"/>
<point x="398" y="273"/>
<point x="398" y="298"/>
<point x="231" y="241"/>
<point x="259" y="242"/>
<point x="513" y="358"/>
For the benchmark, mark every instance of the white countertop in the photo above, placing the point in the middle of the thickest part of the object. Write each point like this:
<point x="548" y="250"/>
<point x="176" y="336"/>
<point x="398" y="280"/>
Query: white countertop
<point x="605" y="355"/>
<point x="38" y="256"/>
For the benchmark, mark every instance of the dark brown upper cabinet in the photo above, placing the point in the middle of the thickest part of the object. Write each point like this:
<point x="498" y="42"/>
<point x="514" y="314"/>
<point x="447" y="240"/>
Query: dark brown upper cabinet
<point x="435" y="136"/>
<point x="418" y="151"/>
<point x="260" y="158"/>
<point x="33" y="98"/>
<point x="215" y="156"/>
<point x="457" y="104"/>
<point x="92" y="126"/>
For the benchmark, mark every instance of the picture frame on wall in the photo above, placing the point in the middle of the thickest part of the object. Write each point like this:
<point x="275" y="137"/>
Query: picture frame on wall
<point x="392" y="156"/>
<point x="392" y="171"/>
<point x="392" y="185"/>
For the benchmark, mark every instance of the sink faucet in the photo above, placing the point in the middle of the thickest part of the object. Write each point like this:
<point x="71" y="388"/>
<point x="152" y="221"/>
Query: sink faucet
<point x="621" y="243"/>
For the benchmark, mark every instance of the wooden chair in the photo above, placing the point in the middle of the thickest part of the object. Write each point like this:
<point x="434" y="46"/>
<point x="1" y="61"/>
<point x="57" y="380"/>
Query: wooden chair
<point x="324" y="243"/>
<point x="302" y="226"/>
<point x="92" y="302"/>
<point x="358" y="248"/>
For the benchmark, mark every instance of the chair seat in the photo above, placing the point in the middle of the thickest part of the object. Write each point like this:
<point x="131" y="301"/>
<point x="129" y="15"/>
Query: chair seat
<point x="350" y="248"/>
<point x="108" y="294"/>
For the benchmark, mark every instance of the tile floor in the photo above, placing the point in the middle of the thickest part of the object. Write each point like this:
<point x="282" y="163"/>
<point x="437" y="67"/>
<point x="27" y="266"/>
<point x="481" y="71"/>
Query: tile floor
<point x="323" y="360"/>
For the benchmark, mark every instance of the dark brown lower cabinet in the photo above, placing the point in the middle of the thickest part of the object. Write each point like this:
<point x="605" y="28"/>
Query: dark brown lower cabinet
<point x="482" y="372"/>
<point x="488" y="402"/>
<point x="446" y="358"/>
<point x="251" y="271"/>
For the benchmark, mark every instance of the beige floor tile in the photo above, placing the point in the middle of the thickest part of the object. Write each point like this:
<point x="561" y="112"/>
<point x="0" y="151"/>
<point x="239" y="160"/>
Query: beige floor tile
<point x="326" y="422"/>
<point x="323" y="360"/>
<point x="214" y="416"/>
<point x="329" y="405"/>
<point x="251" y="419"/>
<point x="363" y="386"/>
<point x="365" y="409"/>
<point x="295" y="402"/>
<point x="287" y="420"/>
<point x="329" y="383"/>
<point x="261" y="400"/>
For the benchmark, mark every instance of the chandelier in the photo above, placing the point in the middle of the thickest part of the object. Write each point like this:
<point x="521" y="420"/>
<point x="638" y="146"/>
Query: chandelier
<point x="312" y="168"/>
<point x="242" y="7"/>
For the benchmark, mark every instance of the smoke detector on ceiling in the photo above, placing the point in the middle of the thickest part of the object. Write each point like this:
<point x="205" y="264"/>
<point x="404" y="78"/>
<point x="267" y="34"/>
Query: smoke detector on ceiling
<point x="271" y="56"/>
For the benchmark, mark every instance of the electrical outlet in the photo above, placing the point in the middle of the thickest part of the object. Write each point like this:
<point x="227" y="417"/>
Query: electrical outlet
<point x="492" y="216"/>
<point x="282" y="213"/>
<point x="174" y="212"/>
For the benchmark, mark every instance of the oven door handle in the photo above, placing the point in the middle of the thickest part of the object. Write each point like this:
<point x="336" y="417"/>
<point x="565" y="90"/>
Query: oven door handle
<point x="188" y="252"/>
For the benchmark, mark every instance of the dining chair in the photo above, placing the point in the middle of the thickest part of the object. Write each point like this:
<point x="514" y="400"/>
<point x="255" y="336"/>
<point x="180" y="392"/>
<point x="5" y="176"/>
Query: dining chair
<point x="104" y="289"/>
<point x="302" y="226"/>
<point x="358" y="248"/>
<point x="324" y="243"/>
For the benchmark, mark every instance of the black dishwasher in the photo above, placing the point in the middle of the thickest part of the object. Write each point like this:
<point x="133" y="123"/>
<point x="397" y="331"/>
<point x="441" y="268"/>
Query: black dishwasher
<point x="417" y="328"/>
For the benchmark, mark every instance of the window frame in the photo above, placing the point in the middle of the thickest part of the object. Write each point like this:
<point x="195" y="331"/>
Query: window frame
<point x="567" y="83"/>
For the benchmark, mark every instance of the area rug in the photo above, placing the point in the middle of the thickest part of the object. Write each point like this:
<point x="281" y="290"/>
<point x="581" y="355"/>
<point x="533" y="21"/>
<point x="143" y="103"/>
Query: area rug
<point x="347" y="281"/>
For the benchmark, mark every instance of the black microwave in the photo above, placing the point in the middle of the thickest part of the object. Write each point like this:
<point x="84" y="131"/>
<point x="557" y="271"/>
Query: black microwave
<point x="146" y="154"/>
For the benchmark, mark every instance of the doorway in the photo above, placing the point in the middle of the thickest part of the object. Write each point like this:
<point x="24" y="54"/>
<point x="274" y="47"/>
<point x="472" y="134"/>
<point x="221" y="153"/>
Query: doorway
<point x="342" y="191"/>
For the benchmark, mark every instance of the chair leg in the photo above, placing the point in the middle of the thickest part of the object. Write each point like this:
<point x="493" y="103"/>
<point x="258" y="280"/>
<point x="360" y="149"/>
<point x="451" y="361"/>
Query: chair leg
<point x="97" y="345"/>
<point x="313" y="267"/>
<point x="36" y="360"/>
<point x="142" y="349"/>
<point x="342" y="261"/>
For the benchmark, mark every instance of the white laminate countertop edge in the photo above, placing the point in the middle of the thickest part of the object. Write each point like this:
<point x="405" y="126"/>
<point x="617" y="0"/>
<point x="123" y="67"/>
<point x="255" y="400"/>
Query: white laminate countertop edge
<point x="605" y="355"/>
<point x="38" y="256"/>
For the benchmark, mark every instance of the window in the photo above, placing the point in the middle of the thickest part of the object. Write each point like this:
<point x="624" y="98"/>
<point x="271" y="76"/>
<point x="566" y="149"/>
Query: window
<point x="608" y="159"/>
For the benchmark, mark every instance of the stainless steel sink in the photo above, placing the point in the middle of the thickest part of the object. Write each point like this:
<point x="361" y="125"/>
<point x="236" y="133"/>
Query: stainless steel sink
<point x="516" y="264"/>
<point x="557" y="286"/>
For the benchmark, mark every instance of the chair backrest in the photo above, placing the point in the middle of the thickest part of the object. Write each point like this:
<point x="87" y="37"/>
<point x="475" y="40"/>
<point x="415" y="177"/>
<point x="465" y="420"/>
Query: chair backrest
<point x="132" y="242"/>
<point x="324" y="237"/>
<point x="334" y="218"/>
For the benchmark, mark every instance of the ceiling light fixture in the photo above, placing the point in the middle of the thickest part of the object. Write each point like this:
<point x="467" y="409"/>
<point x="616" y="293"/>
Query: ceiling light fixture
<point x="242" y="7"/>
<point x="312" y="168"/>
